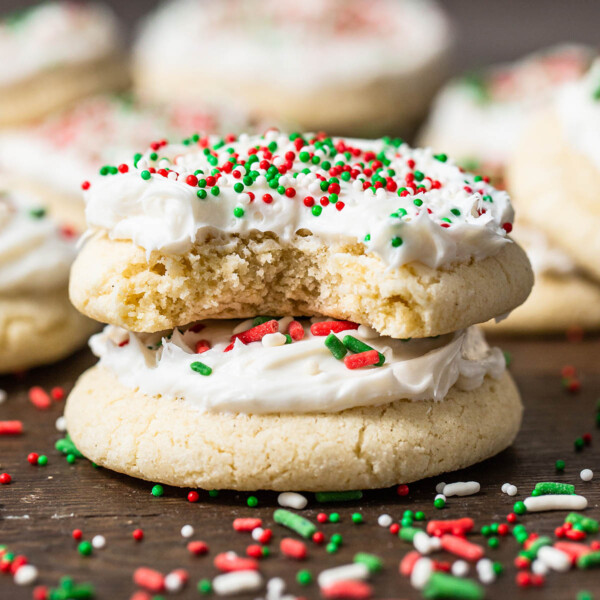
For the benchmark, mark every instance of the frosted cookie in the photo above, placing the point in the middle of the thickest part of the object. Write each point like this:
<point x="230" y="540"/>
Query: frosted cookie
<point x="555" y="172"/>
<point x="478" y="118"/>
<point x="562" y="296"/>
<point x="54" y="54"/>
<point x="291" y="62"/>
<point x="371" y="231"/>
<point x="284" y="405"/>
<point x="38" y="324"/>
<point x="53" y="157"/>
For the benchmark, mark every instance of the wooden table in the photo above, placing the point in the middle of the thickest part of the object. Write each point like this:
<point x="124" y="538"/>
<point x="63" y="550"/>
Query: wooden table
<point x="42" y="506"/>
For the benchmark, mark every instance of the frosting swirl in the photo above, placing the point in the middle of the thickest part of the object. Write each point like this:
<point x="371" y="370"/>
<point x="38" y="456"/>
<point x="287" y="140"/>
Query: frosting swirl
<point x="34" y="255"/>
<point x="302" y="376"/>
<point x="404" y="204"/>
<point x="55" y="33"/>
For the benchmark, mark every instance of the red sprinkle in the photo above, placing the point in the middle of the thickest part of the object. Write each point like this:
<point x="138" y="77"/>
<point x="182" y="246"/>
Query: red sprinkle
<point x="193" y="496"/>
<point x="455" y="526"/>
<point x="573" y="549"/>
<point x="227" y="563"/>
<point x="149" y="578"/>
<point x="362" y="359"/>
<point x="265" y="536"/>
<point x="296" y="331"/>
<point x="138" y="535"/>
<point x="254" y="551"/>
<point x="32" y="458"/>
<point x="57" y="393"/>
<point x="197" y="547"/>
<point x="327" y="327"/>
<point x="322" y="518"/>
<point x="202" y="346"/>
<point x="394" y="528"/>
<point x="247" y="524"/>
<point x="461" y="547"/>
<point x="408" y="562"/>
<point x="349" y="590"/>
<point x="293" y="548"/>
<point x="11" y="427"/>
<point x="40" y="592"/>
<point x="256" y="333"/>
<point x="402" y="490"/>
<point x="39" y="398"/>
<point x="85" y="185"/>
<point x="5" y="478"/>
<point x="77" y="534"/>
<point x="318" y="537"/>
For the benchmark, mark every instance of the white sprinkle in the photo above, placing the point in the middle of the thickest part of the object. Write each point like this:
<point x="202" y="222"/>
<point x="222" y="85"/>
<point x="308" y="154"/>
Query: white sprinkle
<point x="284" y="323"/>
<point x="460" y="568"/>
<point x="98" y="542"/>
<point x="421" y="573"/>
<point x="275" y="588"/>
<point x="173" y="582"/>
<point x="244" y="198"/>
<point x="555" y="559"/>
<point x="439" y="488"/>
<point x="422" y="543"/>
<point x="555" y="502"/>
<point x="3" y="396"/>
<point x="61" y="424"/>
<point x="354" y="571"/>
<point x="256" y="533"/>
<point x="187" y="531"/>
<point x="539" y="568"/>
<point x="292" y="500"/>
<point x="236" y="582"/>
<point x="366" y="332"/>
<point x="512" y="490"/>
<point x="273" y="339"/>
<point x="26" y="575"/>
<point x="586" y="475"/>
<point x="243" y="326"/>
<point x="384" y="520"/>
<point x="461" y="488"/>
<point x="485" y="570"/>
<point x="440" y="496"/>
<point x="505" y="487"/>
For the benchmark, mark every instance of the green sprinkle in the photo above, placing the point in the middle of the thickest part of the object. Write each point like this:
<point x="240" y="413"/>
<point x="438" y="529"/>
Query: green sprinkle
<point x="201" y="368"/>
<point x="238" y="187"/>
<point x="587" y="524"/>
<point x="338" y="496"/>
<point x="213" y="493"/>
<point x="420" y="515"/>
<point x="294" y="522"/>
<point x="42" y="460"/>
<point x="455" y="212"/>
<point x="371" y="561"/>
<point x="357" y="518"/>
<point x="498" y="568"/>
<point x="519" y="508"/>
<point x="439" y="503"/>
<point x="316" y="210"/>
<point x="145" y="175"/>
<point x="440" y="157"/>
<point x="204" y="586"/>
<point x="587" y="561"/>
<point x="560" y="465"/>
<point x="335" y="346"/>
<point x="37" y="213"/>
<point x="357" y="346"/>
<point x="66" y="446"/>
<point x="507" y="358"/>
<point x="304" y="577"/>
<point x="71" y="458"/>
<point x="84" y="548"/>
<point x="260" y="320"/>
<point x="397" y="242"/>
<point x="408" y="533"/>
<point x="486" y="531"/>
<point x="158" y="490"/>
<point x="201" y="194"/>
<point x="493" y="542"/>
<point x="550" y="487"/>
<point x="406" y="521"/>
<point x="252" y="501"/>
<point x="419" y="176"/>
<point x="332" y="548"/>
<point x="238" y="212"/>
<point x="584" y="595"/>
<point x="337" y="539"/>
<point x="368" y="237"/>
<point x="288" y="338"/>
<point x="442" y="585"/>
<point x="417" y="202"/>
<point x="579" y="444"/>
<point x="215" y="191"/>
<point x="334" y="518"/>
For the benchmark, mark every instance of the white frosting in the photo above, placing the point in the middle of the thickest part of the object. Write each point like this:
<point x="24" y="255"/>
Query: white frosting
<point x="480" y="118"/>
<point x="69" y="147"/>
<point x="53" y="34"/>
<point x="299" y="377"/>
<point x="544" y="256"/>
<point x="165" y="212"/>
<point x="289" y="43"/>
<point x="578" y="107"/>
<point x="34" y="256"/>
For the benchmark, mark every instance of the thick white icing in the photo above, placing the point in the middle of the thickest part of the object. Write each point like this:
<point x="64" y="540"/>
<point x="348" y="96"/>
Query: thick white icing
<point x="481" y="119"/>
<point x="34" y="256"/>
<point x="165" y="212"/>
<point x="54" y="34"/>
<point x="578" y="107"/>
<point x="545" y="257"/>
<point x="289" y="43"/>
<point x="299" y="377"/>
<point x="70" y="147"/>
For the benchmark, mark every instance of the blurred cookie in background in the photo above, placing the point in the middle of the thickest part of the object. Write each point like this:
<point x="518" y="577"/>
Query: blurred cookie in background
<point x="55" y="157"/>
<point x="38" y="324"/>
<point x="478" y="118"/>
<point x="352" y="67"/>
<point x="54" y="54"/>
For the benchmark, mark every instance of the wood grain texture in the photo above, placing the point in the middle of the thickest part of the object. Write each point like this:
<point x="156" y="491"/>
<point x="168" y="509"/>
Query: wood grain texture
<point x="59" y="497"/>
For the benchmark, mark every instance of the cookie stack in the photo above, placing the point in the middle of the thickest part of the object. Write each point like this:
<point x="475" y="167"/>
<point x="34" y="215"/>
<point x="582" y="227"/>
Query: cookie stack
<point x="294" y="312"/>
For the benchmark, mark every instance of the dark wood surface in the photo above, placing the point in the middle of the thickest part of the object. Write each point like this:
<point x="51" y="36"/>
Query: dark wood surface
<point x="41" y="507"/>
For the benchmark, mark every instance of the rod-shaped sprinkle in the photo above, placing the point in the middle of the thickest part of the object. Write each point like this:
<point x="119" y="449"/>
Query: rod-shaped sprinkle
<point x="551" y="487"/>
<point x="555" y="502"/>
<point x="294" y="522"/>
<point x="441" y="585"/>
<point x="356" y="346"/>
<point x="338" y="496"/>
<point x="335" y="346"/>
<point x="461" y="488"/>
<point x="588" y="524"/>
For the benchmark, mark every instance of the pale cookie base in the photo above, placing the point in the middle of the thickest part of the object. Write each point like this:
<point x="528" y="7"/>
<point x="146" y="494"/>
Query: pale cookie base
<point x="555" y="304"/>
<point x="369" y="109"/>
<point x="232" y="277"/>
<point x="169" y="441"/>
<point x="555" y="188"/>
<point x="37" y="330"/>
<point x="55" y="89"/>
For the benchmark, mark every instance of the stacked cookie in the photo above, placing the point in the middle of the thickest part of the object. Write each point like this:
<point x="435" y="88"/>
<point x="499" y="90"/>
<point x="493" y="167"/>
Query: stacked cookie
<point x="480" y="119"/>
<point x="371" y="259"/>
